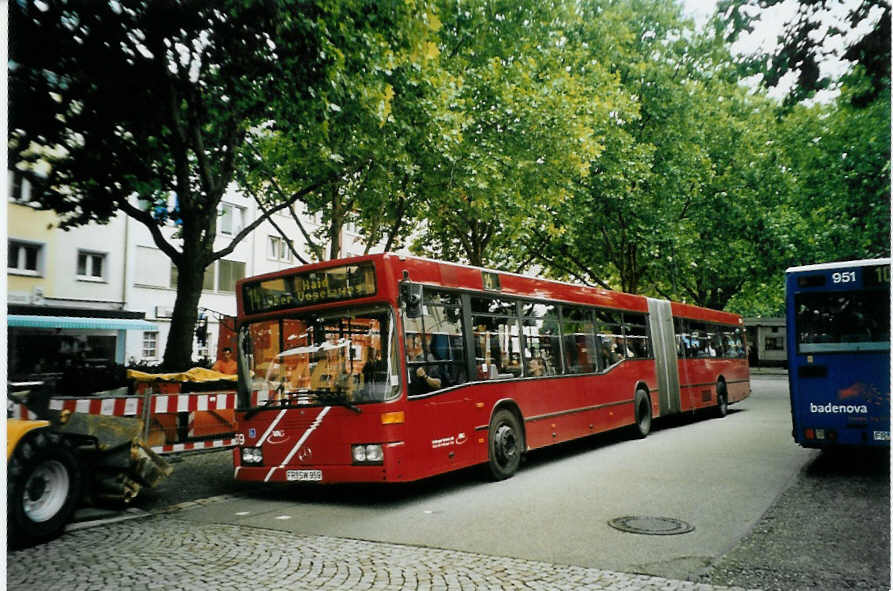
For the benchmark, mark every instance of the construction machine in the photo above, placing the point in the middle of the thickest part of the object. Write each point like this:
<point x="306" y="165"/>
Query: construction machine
<point x="61" y="460"/>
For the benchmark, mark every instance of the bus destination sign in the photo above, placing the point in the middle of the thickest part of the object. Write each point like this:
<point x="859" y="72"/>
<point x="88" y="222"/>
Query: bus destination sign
<point x="309" y="288"/>
<point x="877" y="276"/>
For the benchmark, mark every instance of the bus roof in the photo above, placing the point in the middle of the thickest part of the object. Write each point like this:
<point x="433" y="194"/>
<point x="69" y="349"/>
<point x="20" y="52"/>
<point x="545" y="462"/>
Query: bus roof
<point x="838" y="265"/>
<point x="432" y="271"/>
<point x="532" y="286"/>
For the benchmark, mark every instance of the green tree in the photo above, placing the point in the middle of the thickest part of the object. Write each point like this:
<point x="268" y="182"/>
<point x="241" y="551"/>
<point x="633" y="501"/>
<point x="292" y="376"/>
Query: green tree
<point x="525" y="104"/>
<point x="643" y="180"/>
<point x="164" y="101"/>
<point x="841" y="162"/>
<point x="679" y="203"/>
<point x="813" y="37"/>
<point x="354" y="129"/>
<point x="835" y="197"/>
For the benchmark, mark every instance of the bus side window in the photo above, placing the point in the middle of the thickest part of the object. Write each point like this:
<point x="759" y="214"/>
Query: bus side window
<point x="681" y="338"/>
<point x="698" y="346"/>
<point x="636" y="332"/>
<point x="716" y="345"/>
<point x="733" y="346"/>
<point x="578" y="333"/>
<point x="435" y="343"/>
<point x="497" y="340"/>
<point x="542" y="351"/>
<point x="611" y="342"/>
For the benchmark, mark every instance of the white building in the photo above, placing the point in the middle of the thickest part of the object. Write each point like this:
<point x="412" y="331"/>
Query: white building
<point x="107" y="291"/>
<point x="767" y="339"/>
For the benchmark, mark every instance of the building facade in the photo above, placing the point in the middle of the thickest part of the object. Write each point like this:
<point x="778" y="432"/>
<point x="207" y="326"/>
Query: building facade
<point x="106" y="292"/>
<point x="766" y="339"/>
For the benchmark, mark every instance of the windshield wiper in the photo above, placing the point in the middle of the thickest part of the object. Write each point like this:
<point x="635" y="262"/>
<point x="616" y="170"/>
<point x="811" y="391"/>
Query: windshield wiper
<point x="338" y="397"/>
<point x="300" y="399"/>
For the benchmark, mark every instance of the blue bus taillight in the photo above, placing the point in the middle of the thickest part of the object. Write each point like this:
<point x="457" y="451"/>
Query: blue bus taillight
<point x="820" y="434"/>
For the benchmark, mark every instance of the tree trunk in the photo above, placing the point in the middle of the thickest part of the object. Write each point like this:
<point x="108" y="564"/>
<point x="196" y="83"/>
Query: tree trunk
<point x="178" y="350"/>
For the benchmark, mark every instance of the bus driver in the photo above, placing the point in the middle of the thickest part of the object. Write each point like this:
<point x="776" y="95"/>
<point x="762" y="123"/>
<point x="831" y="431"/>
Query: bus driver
<point x="425" y="378"/>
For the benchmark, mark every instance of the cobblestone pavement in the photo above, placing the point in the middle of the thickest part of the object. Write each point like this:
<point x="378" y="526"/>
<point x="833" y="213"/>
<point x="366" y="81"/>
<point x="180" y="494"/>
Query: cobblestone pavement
<point x="165" y="553"/>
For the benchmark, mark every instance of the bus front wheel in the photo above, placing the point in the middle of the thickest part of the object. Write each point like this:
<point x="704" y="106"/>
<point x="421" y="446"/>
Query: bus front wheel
<point x="506" y="444"/>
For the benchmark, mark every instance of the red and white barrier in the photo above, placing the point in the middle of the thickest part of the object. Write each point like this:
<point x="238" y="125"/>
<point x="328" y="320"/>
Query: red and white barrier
<point x="132" y="406"/>
<point x="20" y="411"/>
<point x="129" y="406"/>
<point x="194" y="446"/>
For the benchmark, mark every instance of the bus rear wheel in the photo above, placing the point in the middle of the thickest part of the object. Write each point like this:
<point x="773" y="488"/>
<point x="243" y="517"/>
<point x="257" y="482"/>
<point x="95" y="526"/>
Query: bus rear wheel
<point x="643" y="414"/>
<point x="722" y="400"/>
<point x="505" y="445"/>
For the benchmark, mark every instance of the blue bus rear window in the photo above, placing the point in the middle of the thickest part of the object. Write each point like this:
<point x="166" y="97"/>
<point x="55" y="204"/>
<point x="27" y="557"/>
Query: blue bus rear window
<point x="836" y="322"/>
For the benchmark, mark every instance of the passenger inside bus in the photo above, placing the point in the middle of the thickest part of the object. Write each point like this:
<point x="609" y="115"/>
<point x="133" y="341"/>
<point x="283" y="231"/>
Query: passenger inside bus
<point x="612" y="351"/>
<point x="534" y="366"/>
<point x="375" y="377"/>
<point x="423" y="378"/>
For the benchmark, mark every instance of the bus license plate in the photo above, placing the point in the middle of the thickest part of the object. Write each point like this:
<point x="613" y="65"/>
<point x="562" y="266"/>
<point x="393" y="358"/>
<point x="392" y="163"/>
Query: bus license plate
<point x="882" y="436"/>
<point x="303" y="475"/>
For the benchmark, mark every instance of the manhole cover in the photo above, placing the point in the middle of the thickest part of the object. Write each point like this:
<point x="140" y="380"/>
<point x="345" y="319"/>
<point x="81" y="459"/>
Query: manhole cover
<point x="653" y="526"/>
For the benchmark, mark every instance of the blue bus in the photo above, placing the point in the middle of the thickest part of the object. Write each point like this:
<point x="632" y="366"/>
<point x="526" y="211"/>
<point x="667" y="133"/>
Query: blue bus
<point x="838" y="331"/>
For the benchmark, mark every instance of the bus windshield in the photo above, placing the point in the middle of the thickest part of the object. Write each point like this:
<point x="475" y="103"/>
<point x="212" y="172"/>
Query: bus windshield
<point x="836" y="322"/>
<point x="344" y="356"/>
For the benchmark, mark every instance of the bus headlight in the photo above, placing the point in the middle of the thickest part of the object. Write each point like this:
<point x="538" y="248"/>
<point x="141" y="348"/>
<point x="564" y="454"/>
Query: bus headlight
<point x="368" y="453"/>
<point x="252" y="455"/>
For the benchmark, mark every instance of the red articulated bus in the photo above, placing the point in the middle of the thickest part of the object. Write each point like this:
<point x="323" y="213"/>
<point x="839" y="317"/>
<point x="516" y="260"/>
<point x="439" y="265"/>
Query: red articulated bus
<point x="395" y="368"/>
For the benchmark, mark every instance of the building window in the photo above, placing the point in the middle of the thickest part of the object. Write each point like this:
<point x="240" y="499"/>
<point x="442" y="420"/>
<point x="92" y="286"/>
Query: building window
<point x="207" y="281"/>
<point x="24" y="258"/>
<point x="231" y="217"/>
<point x="230" y="272"/>
<point x="150" y="345"/>
<point x="277" y="249"/>
<point x="21" y="190"/>
<point x="91" y="265"/>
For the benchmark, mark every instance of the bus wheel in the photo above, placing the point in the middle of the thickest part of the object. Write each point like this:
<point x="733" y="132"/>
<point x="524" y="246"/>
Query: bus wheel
<point x="643" y="414"/>
<point x="505" y="445"/>
<point x="722" y="400"/>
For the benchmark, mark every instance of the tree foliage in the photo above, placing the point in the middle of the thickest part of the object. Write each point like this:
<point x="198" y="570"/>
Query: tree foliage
<point x="525" y="102"/>
<point x="168" y="100"/>
<point x="154" y="100"/>
<point x="816" y="35"/>
<point x="604" y="141"/>
<point x="340" y="133"/>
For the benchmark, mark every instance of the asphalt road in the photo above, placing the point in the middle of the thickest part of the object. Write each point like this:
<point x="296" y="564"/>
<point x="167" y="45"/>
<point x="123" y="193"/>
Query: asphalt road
<point x="747" y="489"/>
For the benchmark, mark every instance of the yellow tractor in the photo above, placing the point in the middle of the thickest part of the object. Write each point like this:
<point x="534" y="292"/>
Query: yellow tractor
<point x="43" y="481"/>
<point x="61" y="460"/>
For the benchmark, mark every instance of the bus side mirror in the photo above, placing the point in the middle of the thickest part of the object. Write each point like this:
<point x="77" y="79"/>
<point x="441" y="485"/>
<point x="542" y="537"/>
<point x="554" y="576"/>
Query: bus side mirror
<point x="411" y="298"/>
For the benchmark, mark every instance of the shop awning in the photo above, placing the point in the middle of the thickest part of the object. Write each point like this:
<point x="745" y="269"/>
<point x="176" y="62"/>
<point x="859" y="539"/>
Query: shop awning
<point x="25" y="320"/>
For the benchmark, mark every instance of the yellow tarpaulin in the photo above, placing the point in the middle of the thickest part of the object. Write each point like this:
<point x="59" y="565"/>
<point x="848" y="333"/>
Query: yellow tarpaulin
<point x="196" y="374"/>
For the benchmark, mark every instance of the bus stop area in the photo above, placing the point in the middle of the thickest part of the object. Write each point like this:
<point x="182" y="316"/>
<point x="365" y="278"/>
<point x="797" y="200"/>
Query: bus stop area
<point x="828" y="529"/>
<point x="168" y="553"/>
